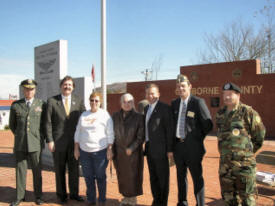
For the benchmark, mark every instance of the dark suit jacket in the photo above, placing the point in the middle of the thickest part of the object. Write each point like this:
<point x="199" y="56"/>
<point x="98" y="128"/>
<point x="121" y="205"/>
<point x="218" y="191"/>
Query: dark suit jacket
<point x="60" y="128"/>
<point x="27" y="125"/>
<point x="198" y="124"/>
<point x="160" y="130"/>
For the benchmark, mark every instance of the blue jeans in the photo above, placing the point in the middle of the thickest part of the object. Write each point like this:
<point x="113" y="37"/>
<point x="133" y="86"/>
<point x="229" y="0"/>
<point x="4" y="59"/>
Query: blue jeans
<point x="94" y="166"/>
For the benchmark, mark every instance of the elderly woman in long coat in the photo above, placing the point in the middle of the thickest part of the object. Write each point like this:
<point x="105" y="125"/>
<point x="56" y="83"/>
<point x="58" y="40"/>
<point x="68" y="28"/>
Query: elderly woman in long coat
<point x="127" y="149"/>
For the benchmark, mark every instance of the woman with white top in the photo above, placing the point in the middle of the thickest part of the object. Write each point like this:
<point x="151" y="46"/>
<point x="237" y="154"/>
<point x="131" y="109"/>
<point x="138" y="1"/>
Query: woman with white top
<point x="93" y="139"/>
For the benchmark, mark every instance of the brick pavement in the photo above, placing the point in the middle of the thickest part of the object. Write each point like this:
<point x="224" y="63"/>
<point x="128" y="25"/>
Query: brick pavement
<point x="265" y="158"/>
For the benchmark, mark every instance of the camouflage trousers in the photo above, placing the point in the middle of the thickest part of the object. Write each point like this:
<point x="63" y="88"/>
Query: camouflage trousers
<point x="238" y="182"/>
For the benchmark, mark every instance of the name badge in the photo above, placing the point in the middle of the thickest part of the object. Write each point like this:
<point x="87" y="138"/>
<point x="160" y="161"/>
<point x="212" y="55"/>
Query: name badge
<point x="190" y="114"/>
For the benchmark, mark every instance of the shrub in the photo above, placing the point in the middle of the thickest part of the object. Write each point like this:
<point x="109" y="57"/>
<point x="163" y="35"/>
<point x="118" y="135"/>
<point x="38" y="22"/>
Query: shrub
<point x="6" y="127"/>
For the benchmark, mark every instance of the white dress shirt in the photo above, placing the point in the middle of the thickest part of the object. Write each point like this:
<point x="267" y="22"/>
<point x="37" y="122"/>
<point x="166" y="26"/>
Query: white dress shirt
<point x="30" y="101"/>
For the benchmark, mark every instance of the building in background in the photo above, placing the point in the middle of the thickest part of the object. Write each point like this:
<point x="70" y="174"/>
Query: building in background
<point x="4" y="113"/>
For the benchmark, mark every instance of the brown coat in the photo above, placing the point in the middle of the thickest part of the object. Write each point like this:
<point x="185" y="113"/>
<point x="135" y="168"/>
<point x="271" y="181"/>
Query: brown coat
<point x="129" y="133"/>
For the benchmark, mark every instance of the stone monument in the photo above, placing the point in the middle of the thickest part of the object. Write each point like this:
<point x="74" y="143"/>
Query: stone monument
<point x="51" y="63"/>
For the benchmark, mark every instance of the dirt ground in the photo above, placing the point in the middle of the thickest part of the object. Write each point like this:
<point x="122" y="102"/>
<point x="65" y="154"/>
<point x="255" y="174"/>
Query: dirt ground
<point x="265" y="162"/>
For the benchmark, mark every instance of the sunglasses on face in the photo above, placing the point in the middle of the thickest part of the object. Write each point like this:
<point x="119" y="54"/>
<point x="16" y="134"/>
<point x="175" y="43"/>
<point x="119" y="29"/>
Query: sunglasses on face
<point x="94" y="100"/>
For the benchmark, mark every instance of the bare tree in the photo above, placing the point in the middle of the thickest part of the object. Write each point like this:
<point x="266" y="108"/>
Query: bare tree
<point x="268" y="60"/>
<point x="156" y="64"/>
<point x="238" y="41"/>
<point x="235" y="42"/>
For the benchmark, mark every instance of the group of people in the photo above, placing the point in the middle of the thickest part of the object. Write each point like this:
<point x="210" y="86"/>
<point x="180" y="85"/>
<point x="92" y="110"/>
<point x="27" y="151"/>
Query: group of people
<point x="165" y="134"/>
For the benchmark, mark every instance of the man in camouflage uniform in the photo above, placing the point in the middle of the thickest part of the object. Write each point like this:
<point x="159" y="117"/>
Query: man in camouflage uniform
<point x="240" y="134"/>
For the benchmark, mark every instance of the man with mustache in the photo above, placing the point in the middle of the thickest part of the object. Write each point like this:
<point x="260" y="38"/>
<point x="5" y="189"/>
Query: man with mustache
<point x="63" y="112"/>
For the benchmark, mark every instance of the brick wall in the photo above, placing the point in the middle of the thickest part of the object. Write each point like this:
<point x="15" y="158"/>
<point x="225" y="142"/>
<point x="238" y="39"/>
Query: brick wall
<point x="258" y="90"/>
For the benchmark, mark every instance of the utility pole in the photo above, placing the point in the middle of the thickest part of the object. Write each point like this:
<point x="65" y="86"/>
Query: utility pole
<point x="147" y="74"/>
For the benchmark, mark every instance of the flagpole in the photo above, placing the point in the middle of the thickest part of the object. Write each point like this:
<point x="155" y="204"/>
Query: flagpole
<point x="103" y="53"/>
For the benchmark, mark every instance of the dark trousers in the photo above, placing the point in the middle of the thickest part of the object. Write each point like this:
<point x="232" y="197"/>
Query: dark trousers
<point x="159" y="179"/>
<point x="183" y="161"/>
<point x="21" y="171"/>
<point x="94" y="166"/>
<point x="61" y="159"/>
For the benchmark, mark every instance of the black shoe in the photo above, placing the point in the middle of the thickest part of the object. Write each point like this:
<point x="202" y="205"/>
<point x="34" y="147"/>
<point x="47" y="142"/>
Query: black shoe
<point x="62" y="200"/>
<point x="39" y="201"/>
<point x="77" y="198"/>
<point x="17" y="202"/>
<point x="184" y="203"/>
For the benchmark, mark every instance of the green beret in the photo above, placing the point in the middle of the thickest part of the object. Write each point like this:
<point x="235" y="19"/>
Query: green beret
<point x="232" y="86"/>
<point x="182" y="78"/>
<point x="28" y="83"/>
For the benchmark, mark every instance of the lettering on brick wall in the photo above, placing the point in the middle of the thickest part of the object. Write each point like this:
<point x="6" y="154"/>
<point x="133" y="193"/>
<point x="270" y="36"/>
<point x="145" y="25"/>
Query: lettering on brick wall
<point x="205" y="91"/>
<point x="252" y="89"/>
<point x="248" y="89"/>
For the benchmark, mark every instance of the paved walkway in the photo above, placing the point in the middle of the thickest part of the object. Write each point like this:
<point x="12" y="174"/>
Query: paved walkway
<point x="265" y="158"/>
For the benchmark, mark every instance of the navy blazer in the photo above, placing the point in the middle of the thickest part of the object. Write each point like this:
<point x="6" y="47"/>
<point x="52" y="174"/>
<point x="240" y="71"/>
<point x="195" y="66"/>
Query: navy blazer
<point x="160" y="130"/>
<point x="198" y="123"/>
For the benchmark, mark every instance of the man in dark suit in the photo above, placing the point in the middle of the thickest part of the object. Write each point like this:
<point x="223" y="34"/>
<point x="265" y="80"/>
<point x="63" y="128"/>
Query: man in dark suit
<point x="192" y="122"/>
<point x="159" y="143"/>
<point x="25" y="122"/>
<point x="63" y="112"/>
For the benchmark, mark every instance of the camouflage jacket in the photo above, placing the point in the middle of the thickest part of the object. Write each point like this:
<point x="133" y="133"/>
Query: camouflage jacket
<point x="240" y="132"/>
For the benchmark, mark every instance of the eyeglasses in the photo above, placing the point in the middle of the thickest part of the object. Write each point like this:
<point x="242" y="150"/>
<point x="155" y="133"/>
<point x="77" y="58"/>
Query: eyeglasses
<point x="94" y="100"/>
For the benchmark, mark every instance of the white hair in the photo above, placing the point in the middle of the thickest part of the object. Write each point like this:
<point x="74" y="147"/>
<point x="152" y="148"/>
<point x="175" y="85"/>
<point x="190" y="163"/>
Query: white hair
<point x="126" y="95"/>
<point x="130" y="98"/>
